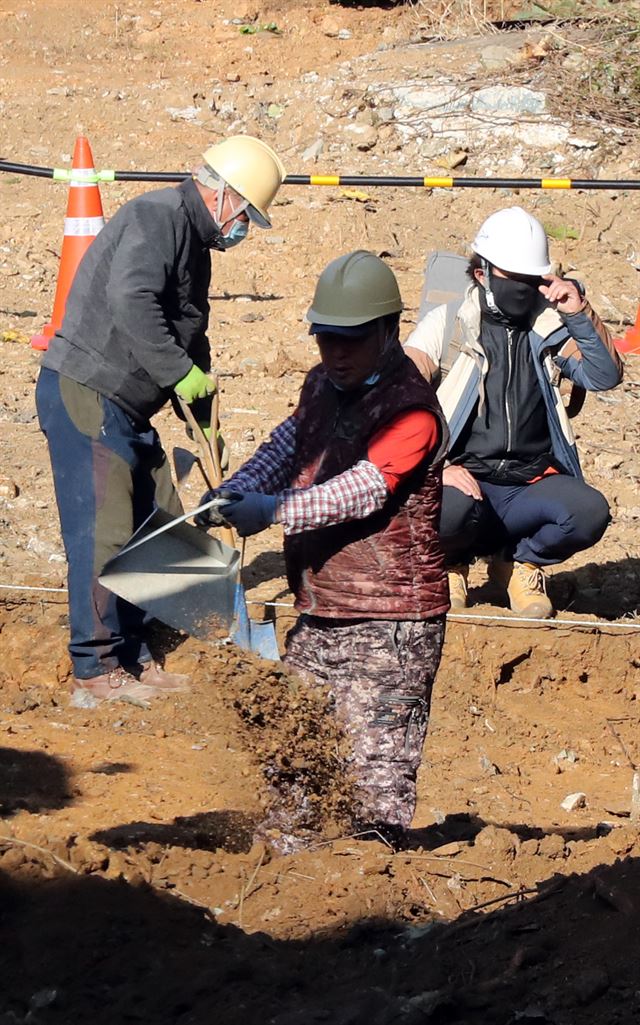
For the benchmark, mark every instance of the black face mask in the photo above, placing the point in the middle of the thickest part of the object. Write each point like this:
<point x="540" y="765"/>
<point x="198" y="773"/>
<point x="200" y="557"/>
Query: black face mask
<point x="516" y="299"/>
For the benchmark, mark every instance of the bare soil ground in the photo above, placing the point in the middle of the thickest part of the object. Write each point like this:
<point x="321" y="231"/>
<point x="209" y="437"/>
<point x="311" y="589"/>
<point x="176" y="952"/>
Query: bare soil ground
<point x="131" y="887"/>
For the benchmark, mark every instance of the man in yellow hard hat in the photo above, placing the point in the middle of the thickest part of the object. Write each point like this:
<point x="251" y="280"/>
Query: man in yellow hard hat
<point x="133" y="336"/>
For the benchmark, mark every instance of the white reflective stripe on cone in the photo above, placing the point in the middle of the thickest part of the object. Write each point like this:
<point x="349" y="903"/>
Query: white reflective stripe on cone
<point x="83" y="225"/>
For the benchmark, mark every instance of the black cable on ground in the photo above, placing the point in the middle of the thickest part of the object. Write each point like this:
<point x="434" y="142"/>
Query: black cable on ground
<point x="367" y="181"/>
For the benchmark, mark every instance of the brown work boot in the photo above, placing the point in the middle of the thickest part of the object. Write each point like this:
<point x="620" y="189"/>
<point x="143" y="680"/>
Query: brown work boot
<point x="525" y="584"/>
<point x="118" y="685"/>
<point x="458" y="578"/>
<point x="153" y="675"/>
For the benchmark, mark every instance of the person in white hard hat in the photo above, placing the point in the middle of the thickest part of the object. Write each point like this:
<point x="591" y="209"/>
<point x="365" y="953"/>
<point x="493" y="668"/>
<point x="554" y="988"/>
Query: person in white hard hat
<point x="513" y="484"/>
<point x="134" y="335"/>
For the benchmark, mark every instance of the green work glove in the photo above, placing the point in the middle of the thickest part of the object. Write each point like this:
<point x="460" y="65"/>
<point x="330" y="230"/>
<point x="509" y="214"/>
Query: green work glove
<point x="223" y="451"/>
<point x="195" y="385"/>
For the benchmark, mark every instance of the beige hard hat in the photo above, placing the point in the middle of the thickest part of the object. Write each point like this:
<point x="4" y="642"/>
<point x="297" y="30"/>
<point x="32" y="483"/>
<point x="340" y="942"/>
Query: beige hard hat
<point x="250" y="167"/>
<point x="354" y="290"/>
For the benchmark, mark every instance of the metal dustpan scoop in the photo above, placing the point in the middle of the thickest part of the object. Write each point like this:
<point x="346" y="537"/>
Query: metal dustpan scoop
<point x="178" y="574"/>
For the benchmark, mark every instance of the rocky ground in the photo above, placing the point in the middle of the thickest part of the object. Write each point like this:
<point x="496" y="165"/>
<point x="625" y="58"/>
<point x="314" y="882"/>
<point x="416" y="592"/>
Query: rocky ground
<point x="132" y="888"/>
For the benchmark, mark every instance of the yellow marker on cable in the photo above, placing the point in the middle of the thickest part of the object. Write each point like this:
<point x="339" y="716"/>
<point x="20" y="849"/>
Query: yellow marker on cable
<point x="556" y="183"/>
<point x="438" y="183"/>
<point x="324" y="179"/>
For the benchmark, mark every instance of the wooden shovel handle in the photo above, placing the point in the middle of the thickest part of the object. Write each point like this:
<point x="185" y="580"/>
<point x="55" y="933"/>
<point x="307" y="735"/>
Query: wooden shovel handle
<point x="209" y="452"/>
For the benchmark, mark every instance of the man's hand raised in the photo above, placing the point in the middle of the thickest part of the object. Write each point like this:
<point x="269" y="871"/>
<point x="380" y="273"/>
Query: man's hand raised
<point x="562" y="293"/>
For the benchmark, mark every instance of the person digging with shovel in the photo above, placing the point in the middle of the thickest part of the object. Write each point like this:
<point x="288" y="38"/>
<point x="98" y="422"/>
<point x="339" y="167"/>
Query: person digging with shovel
<point x="354" y="478"/>
<point x="133" y="337"/>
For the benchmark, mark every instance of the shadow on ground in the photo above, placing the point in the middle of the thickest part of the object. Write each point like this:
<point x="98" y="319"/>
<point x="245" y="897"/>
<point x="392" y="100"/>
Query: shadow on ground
<point x="608" y="590"/>
<point x="84" y="948"/>
<point x="231" y="831"/>
<point x="32" y="780"/>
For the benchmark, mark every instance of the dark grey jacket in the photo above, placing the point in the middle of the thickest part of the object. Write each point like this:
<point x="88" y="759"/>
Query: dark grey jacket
<point x="137" y="313"/>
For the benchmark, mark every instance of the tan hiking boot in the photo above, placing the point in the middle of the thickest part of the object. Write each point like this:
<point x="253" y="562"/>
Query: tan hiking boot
<point x="118" y="685"/>
<point x="458" y="578"/>
<point x="153" y="675"/>
<point x="525" y="584"/>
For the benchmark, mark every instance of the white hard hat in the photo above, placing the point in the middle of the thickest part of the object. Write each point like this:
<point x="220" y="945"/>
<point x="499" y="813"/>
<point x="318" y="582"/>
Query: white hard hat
<point x="514" y="241"/>
<point x="252" y="169"/>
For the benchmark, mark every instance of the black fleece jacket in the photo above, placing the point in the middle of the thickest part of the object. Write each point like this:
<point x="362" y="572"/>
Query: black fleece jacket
<point x="137" y="313"/>
<point x="508" y="441"/>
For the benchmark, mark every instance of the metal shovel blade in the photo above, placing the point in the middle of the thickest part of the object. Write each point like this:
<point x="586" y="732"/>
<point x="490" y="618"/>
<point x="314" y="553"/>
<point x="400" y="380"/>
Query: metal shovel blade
<point x="180" y="576"/>
<point x="183" y="463"/>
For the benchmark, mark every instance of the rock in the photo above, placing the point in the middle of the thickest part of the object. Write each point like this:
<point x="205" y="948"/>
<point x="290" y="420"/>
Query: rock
<point x="384" y="114"/>
<point x="503" y="99"/>
<point x="8" y="488"/>
<point x="43" y="998"/>
<point x="497" y="57"/>
<point x="12" y="859"/>
<point x="565" y="758"/>
<point x="622" y="840"/>
<point x="366" y="136"/>
<point x="591" y="985"/>
<point x="313" y="151"/>
<point x="574" y="801"/>
<point x="608" y="461"/>
<point x="578" y="143"/>
<point x="183" y="113"/>
<point x="447" y="850"/>
<point x="551" y="846"/>
<point x="488" y="766"/>
<point x="148" y="38"/>
<point x="500" y="844"/>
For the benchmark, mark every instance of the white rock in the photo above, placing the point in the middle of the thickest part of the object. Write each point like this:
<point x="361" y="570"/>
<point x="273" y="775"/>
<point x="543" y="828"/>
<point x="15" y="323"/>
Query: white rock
<point x="508" y="99"/>
<point x="313" y="151"/>
<point x="573" y="140"/>
<point x="183" y="113"/>
<point x="573" y="801"/>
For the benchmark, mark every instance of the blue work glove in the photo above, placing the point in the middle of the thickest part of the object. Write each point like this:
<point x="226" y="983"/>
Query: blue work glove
<point x="252" y="512"/>
<point x="216" y="516"/>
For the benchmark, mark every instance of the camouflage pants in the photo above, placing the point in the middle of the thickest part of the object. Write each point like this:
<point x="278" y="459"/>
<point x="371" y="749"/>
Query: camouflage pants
<point x="380" y="674"/>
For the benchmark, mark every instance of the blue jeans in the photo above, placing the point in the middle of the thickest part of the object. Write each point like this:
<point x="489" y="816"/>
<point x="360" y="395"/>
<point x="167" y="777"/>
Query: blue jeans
<point x="109" y="474"/>
<point x="542" y="523"/>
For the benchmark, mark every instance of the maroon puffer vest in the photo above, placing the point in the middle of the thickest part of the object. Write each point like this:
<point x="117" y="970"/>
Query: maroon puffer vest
<point x="389" y="565"/>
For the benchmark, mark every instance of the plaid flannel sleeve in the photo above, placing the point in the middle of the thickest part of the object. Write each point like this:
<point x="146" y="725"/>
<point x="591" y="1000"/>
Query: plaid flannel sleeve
<point x="270" y="469"/>
<point x="351" y="495"/>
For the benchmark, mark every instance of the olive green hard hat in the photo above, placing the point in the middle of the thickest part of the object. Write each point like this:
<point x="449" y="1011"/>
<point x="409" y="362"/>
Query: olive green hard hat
<point x="353" y="290"/>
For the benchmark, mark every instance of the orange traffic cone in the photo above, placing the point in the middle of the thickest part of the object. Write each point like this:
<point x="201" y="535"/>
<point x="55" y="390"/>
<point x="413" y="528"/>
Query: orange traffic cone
<point x="631" y="340"/>
<point x="81" y="225"/>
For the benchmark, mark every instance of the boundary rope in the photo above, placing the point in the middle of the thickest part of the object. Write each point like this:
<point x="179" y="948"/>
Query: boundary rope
<point x="597" y="624"/>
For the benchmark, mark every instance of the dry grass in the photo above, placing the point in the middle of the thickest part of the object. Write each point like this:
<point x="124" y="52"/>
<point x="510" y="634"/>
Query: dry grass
<point x="452" y="19"/>
<point x="588" y="64"/>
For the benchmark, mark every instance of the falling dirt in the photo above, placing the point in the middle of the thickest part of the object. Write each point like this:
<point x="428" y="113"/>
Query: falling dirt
<point x="134" y="881"/>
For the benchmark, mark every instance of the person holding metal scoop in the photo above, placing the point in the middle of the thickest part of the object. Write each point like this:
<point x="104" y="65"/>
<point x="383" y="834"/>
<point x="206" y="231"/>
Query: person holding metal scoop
<point x="132" y="339"/>
<point x="354" y="479"/>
